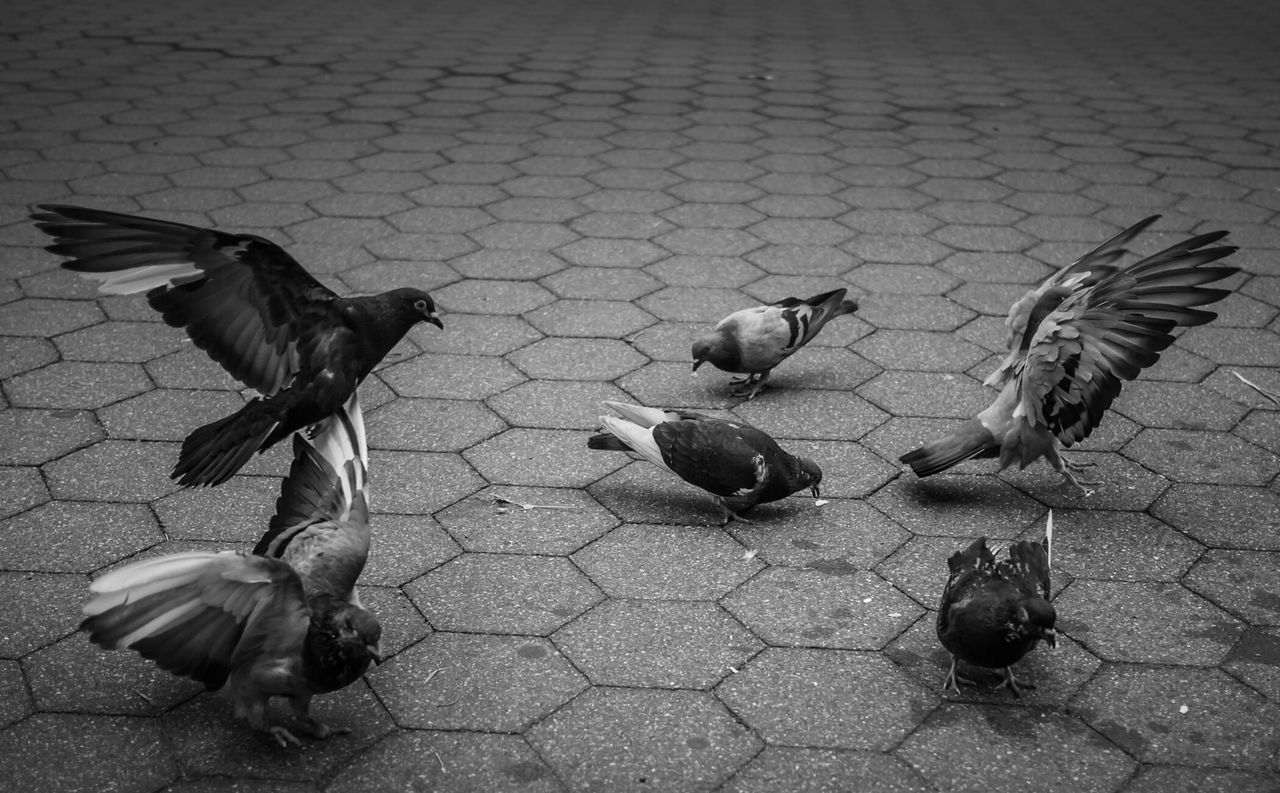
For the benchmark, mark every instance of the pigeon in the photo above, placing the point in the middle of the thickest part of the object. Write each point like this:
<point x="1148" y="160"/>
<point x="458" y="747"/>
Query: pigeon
<point x="735" y="462"/>
<point x="1073" y="341"/>
<point x="754" y="340"/>
<point x="993" y="613"/>
<point x="253" y="309"/>
<point x="283" y="621"/>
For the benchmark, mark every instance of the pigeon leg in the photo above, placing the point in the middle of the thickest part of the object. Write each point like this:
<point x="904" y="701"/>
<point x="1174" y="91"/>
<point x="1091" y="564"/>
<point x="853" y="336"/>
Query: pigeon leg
<point x="1013" y="683"/>
<point x="301" y="707"/>
<point x="750" y="388"/>
<point x="953" y="679"/>
<point x="729" y="514"/>
<point x="283" y="735"/>
<point x="1061" y="466"/>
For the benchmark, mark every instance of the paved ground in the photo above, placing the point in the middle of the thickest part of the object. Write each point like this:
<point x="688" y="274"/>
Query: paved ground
<point x="584" y="185"/>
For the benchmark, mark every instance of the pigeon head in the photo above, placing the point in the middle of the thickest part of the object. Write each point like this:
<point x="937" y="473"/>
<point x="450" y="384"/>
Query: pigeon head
<point x="417" y="304"/>
<point x="1038" y="617"/>
<point x="810" y="475"/>
<point x="716" y="349"/>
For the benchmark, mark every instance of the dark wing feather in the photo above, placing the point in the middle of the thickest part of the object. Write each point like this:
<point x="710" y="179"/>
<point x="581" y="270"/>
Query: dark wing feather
<point x="711" y="454"/>
<point x="241" y="298"/>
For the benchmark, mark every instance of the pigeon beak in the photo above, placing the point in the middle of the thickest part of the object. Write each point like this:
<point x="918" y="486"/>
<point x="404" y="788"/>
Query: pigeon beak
<point x="375" y="652"/>
<point x="434" y="319"/>
<point x="814" y="490"/>
<point x="1050" y="637"/>
<point x="696" y="364"/>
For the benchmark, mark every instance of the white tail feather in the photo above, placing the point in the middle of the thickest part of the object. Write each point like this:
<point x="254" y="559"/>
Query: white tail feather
<point x="1048" y="537"/>
<point x="174" y="565"/>
<point x="645" y="417"/>
<point x="640" y="439"/>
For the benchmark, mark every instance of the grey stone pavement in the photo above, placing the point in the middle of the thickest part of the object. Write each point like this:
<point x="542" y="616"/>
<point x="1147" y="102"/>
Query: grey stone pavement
<point x="584" y="185"/>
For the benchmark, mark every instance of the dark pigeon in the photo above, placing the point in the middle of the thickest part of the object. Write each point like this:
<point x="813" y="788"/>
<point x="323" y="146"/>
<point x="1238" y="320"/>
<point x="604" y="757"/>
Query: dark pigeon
<point x="993" y="613"/>
<point x="737" y="463"/>
<point x="755" y="340"/>
<point x="1073" y="341"/>
<point x="283" y="622"/>
<point x="253" y="309"/>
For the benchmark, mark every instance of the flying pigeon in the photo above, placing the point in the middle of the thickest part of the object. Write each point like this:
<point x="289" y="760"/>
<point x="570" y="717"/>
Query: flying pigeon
<point x="735" y="462"/>
<point x="284" y="621"/>
<point x="1073" y="341"/>
<point x="993" y="613"/>
<point x="253" y="309"/>
<point x="754" y="340"/>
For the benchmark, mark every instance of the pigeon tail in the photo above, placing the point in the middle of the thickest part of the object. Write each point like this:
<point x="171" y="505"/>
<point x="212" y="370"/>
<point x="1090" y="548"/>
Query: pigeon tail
<point x="212" y="454"/>
<point x="607" y="442"/>
<point x="972" y="439"/>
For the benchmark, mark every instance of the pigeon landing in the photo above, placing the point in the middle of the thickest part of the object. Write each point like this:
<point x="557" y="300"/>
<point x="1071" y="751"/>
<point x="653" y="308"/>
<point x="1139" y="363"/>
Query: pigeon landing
<point x="735" y="462"/>
<point x="1073" y="341"/>
<point x="755" y="340"/>
<point x="253" y="309"/>
<point x="282" y="622"/>
<point x="993" y="613"/>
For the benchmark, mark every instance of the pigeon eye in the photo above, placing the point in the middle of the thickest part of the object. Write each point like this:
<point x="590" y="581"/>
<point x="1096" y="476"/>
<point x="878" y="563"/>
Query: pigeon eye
<point x="420" y="305"/>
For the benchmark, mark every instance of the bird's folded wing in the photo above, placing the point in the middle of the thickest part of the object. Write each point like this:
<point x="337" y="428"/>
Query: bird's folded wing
<point x="326" y="481"/>
<point x="1028" y="567"/>
<point x="192" y="613"/>
<point x="714" y="455"/>
<point x="241" y="298"/>
<point x="804" y="318"/>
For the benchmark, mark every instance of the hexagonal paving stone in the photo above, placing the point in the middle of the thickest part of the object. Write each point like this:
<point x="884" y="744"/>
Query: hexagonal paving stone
<point x="706" y="306"/>
<point x="238" y="510"/>
<point x="23" y="487"/>
<point x="1256" y="660"/>
<point x="455" y="681"/>
<point x="558" y="404"/>
<point x="621" y="739"/>
<point x="1147" y="622"/>
<point x="931" y="394"/>
<point x="957" y="505"/>
<point x="1223" y="516"/>
<point x="167" y="414"/>
<point x="913" y="312"/>
<point x="39" y="609"/>
<point x="33" y="437"/>
<point x="826" y="415"/>
<point x="448" y="762"/>
<point x="502" y="593"/>
<point x="46" y="318"/>
<point x="577" y="359"/>
<point x="601" y="283"/>
<point x="1182" y="406"/>
<point x="62" y="536"/>
<point x="416" y="483"/>
<point x="476" y="334"/>
<point x="1212" y="457"/>
<point x="491" y="297"/>
<point x="863" y="701"/>
<point x="841" y="532"/>
<point x="663" y="562"/>
<point x="121" y="342"/>
<point x="114" y="471"/>
<point x="609" y="319"/>
<point x="76" y="675"/>
<point x="1182" y="779"/>
<point x="77" y="384"/>
<point x="830" y="604"/>
<point x="816" y="770"/>
<point x="558" y="521"/>
<point x="919" y="351"/>
<point x="15" y="698"/>
<point x="405" y="547"/>
<point x="126" y="749"/>
<point x="957" y="744"/>
<point x="1245" y="583"/>
<point x="431" y="425"/>
<point x="1113" y="482"/>
<point x="1141" y="709"/>
<point x="20" y="354"/>
<point x="670" y="384"/>
<point x="1123" y="546"/>
<point x="518" y="457"/>
<point x="431" y="376"/>
<point x="657" y="644"/>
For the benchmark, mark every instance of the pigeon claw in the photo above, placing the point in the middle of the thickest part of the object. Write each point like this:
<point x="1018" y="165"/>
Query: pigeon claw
<point x="284" y="737"/>
<point x="953" y="680"/>
<point x="1013" y="683"/>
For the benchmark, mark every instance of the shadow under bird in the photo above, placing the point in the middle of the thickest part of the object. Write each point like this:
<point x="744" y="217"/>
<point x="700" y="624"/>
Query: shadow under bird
<point x="755" y="340"/>
<point x="735" y="462"/>
<point x="993" y="613"/>
<point x="1073" y="341"/>
<point x="284" y="621"/>
<point x="249" y="305"/>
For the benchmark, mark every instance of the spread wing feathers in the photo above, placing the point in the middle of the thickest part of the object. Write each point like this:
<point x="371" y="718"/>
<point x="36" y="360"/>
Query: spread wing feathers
<point x="241" y="298"/>
<point x="193" y="613"/>
<point x="326" y="481"/>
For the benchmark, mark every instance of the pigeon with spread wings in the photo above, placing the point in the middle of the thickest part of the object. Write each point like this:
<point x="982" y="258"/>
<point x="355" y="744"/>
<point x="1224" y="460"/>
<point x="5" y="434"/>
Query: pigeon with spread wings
<point x="993" y="613"/>
<point x="253" y="309"/>
<point x="284" y="621"/>
<point x="735" y="462"/>
<point x="1073" y="341"/>
<point x="755" y="340"/>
